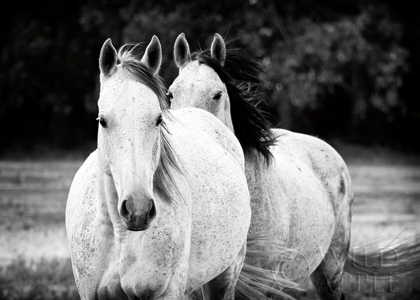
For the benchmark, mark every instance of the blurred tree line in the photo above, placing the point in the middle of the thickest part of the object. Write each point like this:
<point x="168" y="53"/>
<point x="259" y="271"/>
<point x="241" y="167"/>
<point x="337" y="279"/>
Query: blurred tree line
<point x="336" y="69"/>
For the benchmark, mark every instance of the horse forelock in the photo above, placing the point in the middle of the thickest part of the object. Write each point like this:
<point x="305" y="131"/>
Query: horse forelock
<point x="164" y="176"/>
<point x="241" y="76"/>
<point x="130" y="59"/>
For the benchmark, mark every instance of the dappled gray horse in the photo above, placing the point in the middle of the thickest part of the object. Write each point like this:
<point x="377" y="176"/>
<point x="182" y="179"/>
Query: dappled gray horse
<point x="300" y="186"/>
<point x="162" y="207"/>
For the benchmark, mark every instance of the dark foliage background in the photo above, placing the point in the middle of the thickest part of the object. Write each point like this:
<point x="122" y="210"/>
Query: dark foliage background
<point x="339" y="69"/>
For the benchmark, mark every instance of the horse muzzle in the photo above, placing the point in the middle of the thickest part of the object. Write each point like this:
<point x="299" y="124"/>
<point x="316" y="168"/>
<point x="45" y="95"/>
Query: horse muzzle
<point x="137" y="219"/>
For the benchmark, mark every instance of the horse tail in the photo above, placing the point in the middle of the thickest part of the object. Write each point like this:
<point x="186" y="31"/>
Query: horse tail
<point x="400" y="259"/>
<point x="256" y="283"/>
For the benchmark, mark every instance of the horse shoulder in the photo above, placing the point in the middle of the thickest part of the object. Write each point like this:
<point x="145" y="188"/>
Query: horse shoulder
<point x="81" y="199"/>
<point x="88" y="234"/>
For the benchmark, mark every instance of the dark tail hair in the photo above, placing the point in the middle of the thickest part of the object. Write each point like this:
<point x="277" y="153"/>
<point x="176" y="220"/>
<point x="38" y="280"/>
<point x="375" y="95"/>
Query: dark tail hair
<point x="255" y="283"/>
<point x="396" y="260"/>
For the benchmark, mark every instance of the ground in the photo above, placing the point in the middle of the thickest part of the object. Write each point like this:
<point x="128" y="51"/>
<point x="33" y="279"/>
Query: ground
<point x="34" y="255"/>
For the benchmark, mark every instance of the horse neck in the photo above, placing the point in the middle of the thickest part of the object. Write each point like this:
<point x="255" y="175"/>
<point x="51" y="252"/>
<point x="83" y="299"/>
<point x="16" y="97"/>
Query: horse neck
<point x="257" y="168"/>
<point x="255" y="161"/>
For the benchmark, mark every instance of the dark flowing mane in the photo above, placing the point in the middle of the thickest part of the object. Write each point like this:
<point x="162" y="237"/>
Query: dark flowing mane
<point x="241" y="76"/>
<point x="130" y="59"/>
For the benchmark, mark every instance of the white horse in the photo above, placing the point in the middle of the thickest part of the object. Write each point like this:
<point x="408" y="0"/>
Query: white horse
<point x="300" y="186"/>
<point x="162" y="207"/>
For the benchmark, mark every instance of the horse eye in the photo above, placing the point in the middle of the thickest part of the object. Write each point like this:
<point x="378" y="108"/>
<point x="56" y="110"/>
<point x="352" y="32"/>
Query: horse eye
<point x="217" y="96"/>
<point x="159" y="120"/>
<point x="102" y="121"/>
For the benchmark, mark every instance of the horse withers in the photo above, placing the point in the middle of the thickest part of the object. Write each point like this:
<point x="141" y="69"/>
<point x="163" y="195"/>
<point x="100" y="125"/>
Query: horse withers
<point x="162" y="207"/>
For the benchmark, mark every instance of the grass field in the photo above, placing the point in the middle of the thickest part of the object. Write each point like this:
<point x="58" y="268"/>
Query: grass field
<point x="34" y="255"/>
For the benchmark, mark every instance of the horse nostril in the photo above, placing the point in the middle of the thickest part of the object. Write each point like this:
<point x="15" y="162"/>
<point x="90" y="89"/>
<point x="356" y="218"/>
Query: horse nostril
<point x="137" y="219"/>
<point x="125" y="211"/>
<point x="151" y="214"/>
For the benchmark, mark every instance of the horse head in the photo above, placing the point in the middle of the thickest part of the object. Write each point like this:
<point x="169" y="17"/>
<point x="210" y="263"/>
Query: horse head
<point x="225" y="83"/>
<point x="198" y="84"/>
<point x="129" y="134"/>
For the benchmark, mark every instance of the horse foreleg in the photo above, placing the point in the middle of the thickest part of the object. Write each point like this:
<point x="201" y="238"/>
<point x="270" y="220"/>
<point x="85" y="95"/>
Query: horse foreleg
<point x="223" y="286"/>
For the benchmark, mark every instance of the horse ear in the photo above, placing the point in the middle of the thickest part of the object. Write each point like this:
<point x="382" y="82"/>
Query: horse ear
<point x="182" y="54"/>
<point x="107" y="58"/>
<point x="153" y="55"/>
<point x="218" y="49"/>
